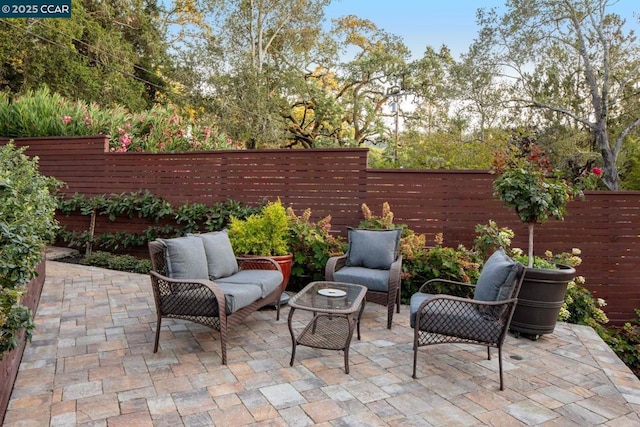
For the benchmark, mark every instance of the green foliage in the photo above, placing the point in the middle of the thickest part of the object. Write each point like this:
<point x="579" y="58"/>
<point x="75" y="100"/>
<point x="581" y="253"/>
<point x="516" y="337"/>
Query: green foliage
<point x="189" y="218"/>
<point x="311" y="244"/>
<point x="117" y="262"/>
<point x="103" y="52"/>
<point x="158" y="129"/>
<point x="27" y="209"/>
<point x="265" y="233"/>
<point x="580" y="307"/>
<point x="490" y="238"/>
<point x="528" y="184"/>
<point x="625" y="342"/>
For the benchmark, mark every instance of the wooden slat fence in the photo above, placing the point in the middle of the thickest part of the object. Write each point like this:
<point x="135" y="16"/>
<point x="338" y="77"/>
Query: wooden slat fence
<point x="336" y="182"/>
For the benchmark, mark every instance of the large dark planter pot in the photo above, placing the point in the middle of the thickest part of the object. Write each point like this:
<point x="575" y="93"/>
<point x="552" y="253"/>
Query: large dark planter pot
<point x="540" y="299"/>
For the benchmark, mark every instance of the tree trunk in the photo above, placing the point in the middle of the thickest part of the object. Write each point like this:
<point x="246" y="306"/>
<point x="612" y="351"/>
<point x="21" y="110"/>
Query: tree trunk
<point x="530" y="246"/>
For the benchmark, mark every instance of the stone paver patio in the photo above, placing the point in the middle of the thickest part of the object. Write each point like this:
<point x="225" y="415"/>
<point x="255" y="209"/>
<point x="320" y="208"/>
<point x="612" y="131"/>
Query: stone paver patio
<point x="91" y="363"/>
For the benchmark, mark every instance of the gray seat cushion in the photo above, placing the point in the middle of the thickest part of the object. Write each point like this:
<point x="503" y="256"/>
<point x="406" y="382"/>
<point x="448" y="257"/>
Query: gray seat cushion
<point x="373" y="248"/>
<point x="186" y="258"/>
<point x="199" y="302"/>
<point x="221" y="261"/>
<point x="239" y="295"/>
<point x="265" y="280"/>
<point x="375" y="280"/>
<point x="463" y="321"/>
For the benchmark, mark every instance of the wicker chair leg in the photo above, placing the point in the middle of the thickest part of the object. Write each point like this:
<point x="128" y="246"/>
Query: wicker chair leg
<point x="390" y="308"/>
<point x="415" y="360"/>
<point x="158" y="323"/>
<point x="223" y="342"/>
<point x="398" y="300"/>
<point x="488" y="353"/>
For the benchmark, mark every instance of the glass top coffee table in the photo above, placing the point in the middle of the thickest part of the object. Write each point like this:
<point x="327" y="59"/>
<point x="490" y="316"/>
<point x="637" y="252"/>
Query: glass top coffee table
<point x="333" y="305"/>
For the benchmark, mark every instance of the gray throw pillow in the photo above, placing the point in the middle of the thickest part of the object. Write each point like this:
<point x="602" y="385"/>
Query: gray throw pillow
<point x="220" y="257"/>
<point x="186" y="258"/>
<point x="373" y="248"/>
<point x="498" y="270"/>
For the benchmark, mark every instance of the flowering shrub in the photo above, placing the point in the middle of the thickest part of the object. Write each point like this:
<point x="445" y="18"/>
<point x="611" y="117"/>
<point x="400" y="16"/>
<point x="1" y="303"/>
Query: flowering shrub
<point x="528" y="184"/>
<point x="160" y="129"/>
<point x="312" y="245"/>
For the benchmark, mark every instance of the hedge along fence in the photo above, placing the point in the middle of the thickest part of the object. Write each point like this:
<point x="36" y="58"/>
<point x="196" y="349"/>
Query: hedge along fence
<point x="336" y="182"/>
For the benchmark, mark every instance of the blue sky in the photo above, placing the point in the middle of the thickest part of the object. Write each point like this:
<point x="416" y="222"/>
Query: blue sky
<point x="437" y="22"/>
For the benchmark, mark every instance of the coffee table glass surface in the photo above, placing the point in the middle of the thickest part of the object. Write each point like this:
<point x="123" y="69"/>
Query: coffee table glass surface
<point x="335" y="297"/>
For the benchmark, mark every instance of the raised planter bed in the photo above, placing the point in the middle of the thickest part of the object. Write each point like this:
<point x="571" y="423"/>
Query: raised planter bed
<point x="10" y="362"/>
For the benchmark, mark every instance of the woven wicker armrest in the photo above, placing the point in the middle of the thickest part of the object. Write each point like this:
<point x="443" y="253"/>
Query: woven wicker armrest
<point x="257" y="263"/>
<point x="335" y="263"/>
<point x="164" y="286"/>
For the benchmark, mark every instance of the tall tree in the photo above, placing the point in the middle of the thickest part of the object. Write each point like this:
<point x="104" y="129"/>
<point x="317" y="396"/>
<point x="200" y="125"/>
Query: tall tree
<point x="108" y="51"/>
<point x="569" y="60"/>
<point x="380" y="63"/>
<point x="266" y="45"/>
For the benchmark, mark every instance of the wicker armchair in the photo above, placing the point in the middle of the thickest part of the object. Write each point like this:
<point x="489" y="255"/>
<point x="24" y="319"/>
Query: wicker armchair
<point x="373" y="260"/>
<point x="217" y="304"/>
<point x="483" y="319"/>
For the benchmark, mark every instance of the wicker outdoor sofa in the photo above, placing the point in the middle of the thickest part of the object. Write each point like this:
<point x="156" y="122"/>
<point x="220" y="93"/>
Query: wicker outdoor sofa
<point x="198" y="278"/>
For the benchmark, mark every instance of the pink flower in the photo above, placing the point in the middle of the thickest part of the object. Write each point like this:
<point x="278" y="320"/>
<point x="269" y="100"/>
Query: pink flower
<point x="125" y="140"/>
<point x="67" y="119"/>
<point x="597" y="171"/>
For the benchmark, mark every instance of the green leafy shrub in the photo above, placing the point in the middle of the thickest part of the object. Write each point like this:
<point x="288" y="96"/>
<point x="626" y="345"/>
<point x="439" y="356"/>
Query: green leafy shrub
<point x="625" y="342"/>
<point x="27" y="208"/>
<point x="265" y="233"/>
<point x="189" y="218"/>
<point x="117" y="262"/>
<point x="490" y="238"/>
<point x="312" y="245"/>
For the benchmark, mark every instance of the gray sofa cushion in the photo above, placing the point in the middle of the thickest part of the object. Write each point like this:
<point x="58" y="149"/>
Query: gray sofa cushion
<point x="373" y="248"/>
<point x="497" y="273"/>
<point x="375" y="280"/>
<point x="221" y="260"/>
<point x="239" y="295"/>
<point x="265" y="280"/>
<point x="186" y="258"/>
<point x="459" y="321"/>
<point x="199" y="302"/>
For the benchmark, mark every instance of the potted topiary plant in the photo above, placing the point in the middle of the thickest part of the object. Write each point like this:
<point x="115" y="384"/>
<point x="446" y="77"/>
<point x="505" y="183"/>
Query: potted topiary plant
<point x="265" y="233"/>
<point x="528" y="184"/>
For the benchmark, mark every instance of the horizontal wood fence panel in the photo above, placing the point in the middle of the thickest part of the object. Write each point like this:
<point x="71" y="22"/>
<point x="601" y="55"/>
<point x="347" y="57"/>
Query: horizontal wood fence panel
<point x="605" y="226"/>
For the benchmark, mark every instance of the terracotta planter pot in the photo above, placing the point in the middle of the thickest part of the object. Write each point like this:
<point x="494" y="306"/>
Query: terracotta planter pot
<point x="540" y="299"/>
<point x="285" y="262"/>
